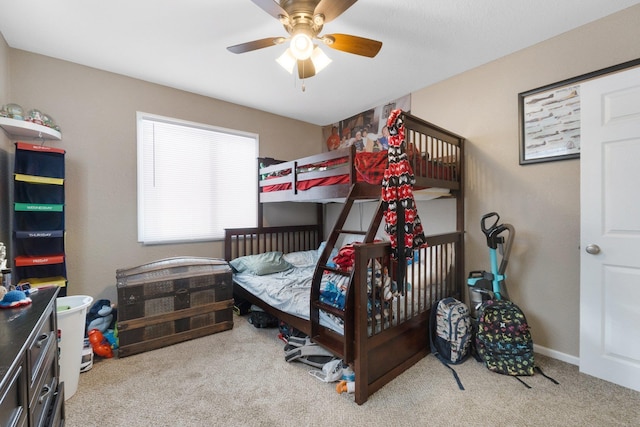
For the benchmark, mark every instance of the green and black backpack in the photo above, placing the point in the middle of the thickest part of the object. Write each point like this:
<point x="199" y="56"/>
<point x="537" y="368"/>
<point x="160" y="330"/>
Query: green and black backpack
<point x="503" y="340"/>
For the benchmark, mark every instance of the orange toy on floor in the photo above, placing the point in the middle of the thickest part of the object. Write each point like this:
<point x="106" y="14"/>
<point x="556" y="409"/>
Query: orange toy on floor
<point x="99" y="343"/>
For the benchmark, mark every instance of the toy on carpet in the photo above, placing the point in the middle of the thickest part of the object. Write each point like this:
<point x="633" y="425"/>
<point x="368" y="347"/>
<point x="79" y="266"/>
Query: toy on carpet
<point x="111" y="335"/>
<point x="14" y="299"/>
<point x="99" y="343"/>
<point x="101" y="316"/>
<point x="346" y="387"/>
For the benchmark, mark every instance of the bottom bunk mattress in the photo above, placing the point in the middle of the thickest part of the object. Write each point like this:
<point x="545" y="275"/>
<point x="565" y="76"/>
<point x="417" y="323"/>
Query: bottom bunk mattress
<point x="283" y="281"/>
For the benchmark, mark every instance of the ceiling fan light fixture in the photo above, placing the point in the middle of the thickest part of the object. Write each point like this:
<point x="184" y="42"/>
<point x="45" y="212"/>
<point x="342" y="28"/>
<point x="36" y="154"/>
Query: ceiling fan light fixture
<point x="301" y="45"/>
<point x="320" y="59"/>
<point x="287" y="61"/>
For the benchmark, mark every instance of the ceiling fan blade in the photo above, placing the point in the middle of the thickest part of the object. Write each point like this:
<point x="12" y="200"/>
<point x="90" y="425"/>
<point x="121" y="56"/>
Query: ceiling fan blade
<point x="306" y="69"/>
<point x="271" y="7"/>
<point x="255" y="45"/>
<point x="352" y="44"/>
<point x="331" y="9"/>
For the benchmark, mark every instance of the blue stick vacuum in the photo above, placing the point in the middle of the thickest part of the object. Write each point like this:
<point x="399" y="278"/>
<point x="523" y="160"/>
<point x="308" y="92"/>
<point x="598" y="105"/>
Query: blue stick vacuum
<point x="484" y="285"/>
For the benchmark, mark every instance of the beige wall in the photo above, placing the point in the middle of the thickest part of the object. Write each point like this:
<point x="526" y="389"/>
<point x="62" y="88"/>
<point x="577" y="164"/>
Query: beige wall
<point x="96" y="111"/>
<point x="4" y="68"/>
<point x="5" y="182"/>
<point x="542" y="201"/>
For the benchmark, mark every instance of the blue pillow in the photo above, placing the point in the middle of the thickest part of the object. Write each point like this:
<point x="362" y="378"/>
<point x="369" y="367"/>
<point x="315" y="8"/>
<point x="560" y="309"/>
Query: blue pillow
<point x="261" y="264"/>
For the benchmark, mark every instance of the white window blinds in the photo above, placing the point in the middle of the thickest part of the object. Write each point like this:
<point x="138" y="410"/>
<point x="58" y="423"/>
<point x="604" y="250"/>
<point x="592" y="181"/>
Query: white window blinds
<point x="194" y="180"/>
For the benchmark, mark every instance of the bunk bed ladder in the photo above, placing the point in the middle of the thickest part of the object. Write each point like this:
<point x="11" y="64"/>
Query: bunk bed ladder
<point x="341" y="345"/>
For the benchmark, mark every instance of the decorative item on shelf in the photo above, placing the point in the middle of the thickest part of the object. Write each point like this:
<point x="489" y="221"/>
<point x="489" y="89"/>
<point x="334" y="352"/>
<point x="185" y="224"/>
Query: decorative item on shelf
<point x="35" y="116"/>
<point x="34" y="128"/>
<point x="49" y="122"/>
<point x="3" y="111"/>
<point x="14" y="111"/>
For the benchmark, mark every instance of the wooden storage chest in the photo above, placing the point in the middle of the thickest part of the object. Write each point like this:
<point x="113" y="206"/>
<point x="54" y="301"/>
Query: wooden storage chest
<point x="172" y="300"/>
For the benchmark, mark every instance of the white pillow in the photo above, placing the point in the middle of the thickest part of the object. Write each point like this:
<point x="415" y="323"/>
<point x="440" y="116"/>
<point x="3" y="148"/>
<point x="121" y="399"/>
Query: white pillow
<point x="302" y="258"/>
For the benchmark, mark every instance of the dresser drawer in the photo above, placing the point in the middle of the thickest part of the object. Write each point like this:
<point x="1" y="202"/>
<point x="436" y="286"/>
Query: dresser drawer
<point x="44" y="389"/>
<point x="57" y="417"/>
<point x="44" y="339"/>
<point x="13" y="399"/>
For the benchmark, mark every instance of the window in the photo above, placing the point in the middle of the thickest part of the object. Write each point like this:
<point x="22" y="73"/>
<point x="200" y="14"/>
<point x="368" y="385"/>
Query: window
<point x="194" y="180"/>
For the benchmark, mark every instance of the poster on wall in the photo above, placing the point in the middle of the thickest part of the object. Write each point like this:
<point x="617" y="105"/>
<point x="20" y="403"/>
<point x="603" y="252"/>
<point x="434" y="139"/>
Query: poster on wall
<point x="367" y="131"/>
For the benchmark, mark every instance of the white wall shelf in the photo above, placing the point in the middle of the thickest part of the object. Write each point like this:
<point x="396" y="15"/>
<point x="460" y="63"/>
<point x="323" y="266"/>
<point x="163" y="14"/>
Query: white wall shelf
<point x="28" y="130"/>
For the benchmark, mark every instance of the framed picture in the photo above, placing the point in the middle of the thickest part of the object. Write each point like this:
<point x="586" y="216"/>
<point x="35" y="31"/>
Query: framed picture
<point x="549" y="118"/>
<point x="550" y="123"/>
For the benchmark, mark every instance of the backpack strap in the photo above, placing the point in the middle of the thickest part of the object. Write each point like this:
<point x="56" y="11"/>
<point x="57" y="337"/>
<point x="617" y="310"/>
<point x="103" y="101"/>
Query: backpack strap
<point x="453" y="371"/>
<point x="537" y="368"/>
<point x="519" y="379"/>
<point x="434" y="350"/>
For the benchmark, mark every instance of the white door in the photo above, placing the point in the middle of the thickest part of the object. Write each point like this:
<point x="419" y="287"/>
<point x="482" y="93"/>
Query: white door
<point x="610" y="228"/>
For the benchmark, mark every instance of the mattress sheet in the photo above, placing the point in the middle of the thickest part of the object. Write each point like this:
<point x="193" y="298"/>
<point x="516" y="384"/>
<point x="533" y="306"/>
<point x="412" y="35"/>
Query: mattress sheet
<point x="288" y="291"/>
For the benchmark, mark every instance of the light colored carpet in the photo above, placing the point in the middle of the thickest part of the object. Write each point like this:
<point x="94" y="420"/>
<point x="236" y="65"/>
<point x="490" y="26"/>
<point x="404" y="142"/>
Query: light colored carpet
<point x="239" y="378"/>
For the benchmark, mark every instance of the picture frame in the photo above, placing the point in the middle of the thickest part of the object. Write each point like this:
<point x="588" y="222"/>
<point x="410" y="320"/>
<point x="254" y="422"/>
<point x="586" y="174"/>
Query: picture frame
<point x="549" y="118"/>
<point x="550" y="122"/>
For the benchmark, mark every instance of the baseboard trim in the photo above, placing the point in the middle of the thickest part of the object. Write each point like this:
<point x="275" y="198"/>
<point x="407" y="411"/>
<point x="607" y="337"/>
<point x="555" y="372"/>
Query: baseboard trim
<point x="554" y="354"/>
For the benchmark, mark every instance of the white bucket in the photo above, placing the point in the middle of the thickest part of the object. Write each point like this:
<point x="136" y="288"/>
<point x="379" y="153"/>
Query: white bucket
<point x="72" y="315"/>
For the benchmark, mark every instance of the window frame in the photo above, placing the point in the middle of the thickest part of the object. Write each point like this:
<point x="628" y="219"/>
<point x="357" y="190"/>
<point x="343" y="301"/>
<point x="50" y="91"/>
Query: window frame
<point x="141" y="117"/>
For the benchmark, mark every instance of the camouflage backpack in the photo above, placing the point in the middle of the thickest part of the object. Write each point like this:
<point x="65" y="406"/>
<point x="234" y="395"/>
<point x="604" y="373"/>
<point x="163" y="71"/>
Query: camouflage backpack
<point x="503" y="339"/>
<point x="450" y="333"/>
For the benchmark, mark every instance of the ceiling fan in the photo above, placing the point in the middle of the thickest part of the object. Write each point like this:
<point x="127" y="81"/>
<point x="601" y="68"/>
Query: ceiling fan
<point x="303" y="20"/>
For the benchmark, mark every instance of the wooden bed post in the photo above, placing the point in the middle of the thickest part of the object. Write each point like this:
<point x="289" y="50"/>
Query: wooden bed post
<point x="361" y="361"/>
<point x="460" y="263"/>
<point x="320" y="220"/>
<point x="260" y="207"/>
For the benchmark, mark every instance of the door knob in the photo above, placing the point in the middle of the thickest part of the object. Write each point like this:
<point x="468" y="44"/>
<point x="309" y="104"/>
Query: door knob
<point x="593" y="249"/>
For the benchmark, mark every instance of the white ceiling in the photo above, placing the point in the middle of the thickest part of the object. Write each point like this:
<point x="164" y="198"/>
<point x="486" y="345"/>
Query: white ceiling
<point x="182" y="44"/>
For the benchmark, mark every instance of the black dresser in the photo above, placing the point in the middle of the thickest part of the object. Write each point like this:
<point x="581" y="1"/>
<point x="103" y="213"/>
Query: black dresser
<point x="30" y="392"/>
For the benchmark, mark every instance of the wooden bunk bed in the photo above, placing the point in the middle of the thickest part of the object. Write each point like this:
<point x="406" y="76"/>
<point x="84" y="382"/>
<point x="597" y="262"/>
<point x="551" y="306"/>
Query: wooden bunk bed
<point x="380" y="338"/>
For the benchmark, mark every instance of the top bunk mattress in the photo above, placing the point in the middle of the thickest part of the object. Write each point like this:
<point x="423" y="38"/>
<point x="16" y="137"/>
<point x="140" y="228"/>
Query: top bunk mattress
<point x="369" y="168"/>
